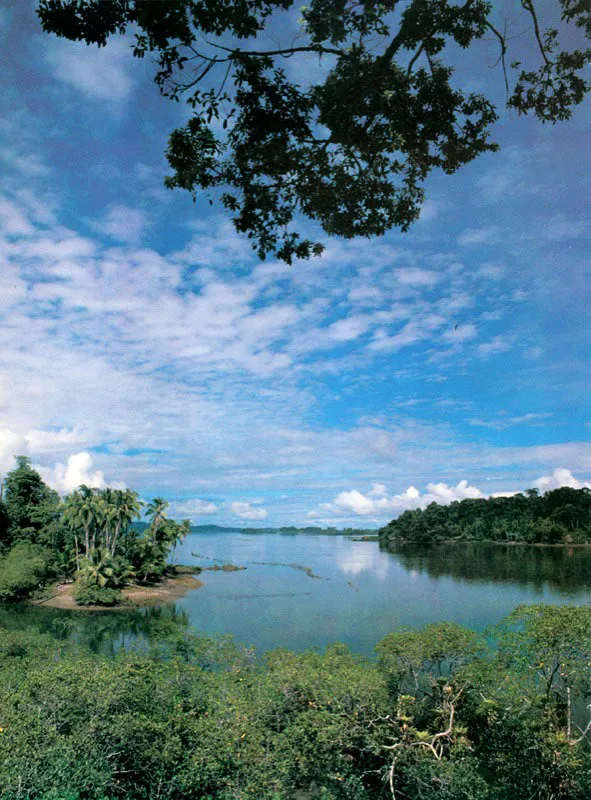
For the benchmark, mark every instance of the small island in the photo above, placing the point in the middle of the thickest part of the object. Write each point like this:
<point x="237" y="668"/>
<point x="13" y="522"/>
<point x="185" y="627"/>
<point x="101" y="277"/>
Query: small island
<point x="87" y="550"/>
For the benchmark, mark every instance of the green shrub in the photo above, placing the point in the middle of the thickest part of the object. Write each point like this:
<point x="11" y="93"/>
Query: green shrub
<point x="23" y="570"/>
<point x="88" y="593"/>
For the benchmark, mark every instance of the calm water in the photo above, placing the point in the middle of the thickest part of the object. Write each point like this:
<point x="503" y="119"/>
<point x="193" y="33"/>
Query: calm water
<point x="305" y="591"/>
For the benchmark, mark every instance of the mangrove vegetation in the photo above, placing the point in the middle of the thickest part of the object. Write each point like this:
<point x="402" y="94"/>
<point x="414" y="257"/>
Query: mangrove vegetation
<point x="440" y="714"/>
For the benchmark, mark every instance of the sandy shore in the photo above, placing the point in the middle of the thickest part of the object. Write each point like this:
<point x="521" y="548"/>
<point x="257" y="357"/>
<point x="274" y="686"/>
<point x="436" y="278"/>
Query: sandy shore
<point x="169" y="590"/>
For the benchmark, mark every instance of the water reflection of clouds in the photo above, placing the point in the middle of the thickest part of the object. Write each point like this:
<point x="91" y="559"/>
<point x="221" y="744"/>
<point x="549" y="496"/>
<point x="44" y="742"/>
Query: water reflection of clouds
<point x="363" y="559"/>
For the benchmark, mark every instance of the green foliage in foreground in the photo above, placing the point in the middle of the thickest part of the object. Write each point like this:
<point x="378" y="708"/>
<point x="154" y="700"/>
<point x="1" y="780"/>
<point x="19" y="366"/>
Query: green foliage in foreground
<point x="441" y="715"/>
<point x="562" y="516"/>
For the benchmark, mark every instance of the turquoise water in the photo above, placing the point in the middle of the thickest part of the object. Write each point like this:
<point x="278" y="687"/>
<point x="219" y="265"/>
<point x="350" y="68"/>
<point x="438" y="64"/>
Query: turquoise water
<point x="301" y="591"/>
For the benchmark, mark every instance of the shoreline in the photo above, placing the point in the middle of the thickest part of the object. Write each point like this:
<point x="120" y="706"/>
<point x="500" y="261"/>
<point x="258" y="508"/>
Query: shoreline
<point x="564" y="545"/>
<point x="135" y="596"/>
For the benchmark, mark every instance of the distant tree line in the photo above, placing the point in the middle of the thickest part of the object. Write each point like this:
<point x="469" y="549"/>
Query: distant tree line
<point x="561" y="516"/>
<point x="89" y="536"/>
<point x="311" y="529"/>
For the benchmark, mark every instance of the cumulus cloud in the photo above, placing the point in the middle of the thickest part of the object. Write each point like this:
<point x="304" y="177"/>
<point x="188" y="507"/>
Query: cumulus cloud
<point x="377" y="503"/>
<point x="78" y="471"/>
<point x="246" y="510"/>
<point x="194" y="508"/>
<point x="414" y="276"/>
<point x="345" y="330"/>
<point x="122" y="223"/>
<point x="559" y="478"/>
<point x="50" y="440"/>
<point x="11" y="444"/>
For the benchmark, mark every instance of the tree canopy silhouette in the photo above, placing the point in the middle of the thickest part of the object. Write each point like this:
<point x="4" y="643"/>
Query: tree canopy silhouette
<point x="350" y="144"/>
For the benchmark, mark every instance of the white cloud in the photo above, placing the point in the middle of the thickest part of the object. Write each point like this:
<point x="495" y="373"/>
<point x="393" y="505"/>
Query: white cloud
<point x="560" y="228"/>
<point x="417" y="330"/>
<point x="533" y="353"/>
<point x="345" y="330"/>
<point x="376" y="502"/>
<point x="430" y="210"/>
<point x="498" y="344"/>
<point x="413" y="276"/>
<point x="13" y="219"/>
<point x="476" y="236"/>
<point x="122" y="223"/>
<point x="559" y="478"/>
<point x="504" y="422"/>
<point x="11" y="445"/>
<point x="491" y="270"/>
<point x="78" y="471"/>
<point x="99" y="73"/>
<point x="245" y="510"/>
<point x="461" y="333"/>
<point x="47" y="441"/>
<point x="506" y="179"/>
<point x="193" y="508"/>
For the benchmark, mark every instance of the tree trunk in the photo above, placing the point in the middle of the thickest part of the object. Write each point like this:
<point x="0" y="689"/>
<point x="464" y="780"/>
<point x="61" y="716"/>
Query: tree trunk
<point x="115" y="537"/>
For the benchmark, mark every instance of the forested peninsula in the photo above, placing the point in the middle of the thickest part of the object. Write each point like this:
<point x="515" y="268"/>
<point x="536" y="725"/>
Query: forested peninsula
<point x="88" y="540"/>
<point x="561" y="516"/>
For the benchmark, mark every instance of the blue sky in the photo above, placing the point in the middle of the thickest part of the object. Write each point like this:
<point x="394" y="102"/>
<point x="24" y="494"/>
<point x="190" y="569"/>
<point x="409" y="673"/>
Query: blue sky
<point x="142" y="342"/>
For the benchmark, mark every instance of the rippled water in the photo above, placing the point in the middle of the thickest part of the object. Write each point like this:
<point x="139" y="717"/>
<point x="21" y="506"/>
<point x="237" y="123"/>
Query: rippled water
<point x="301" y="591"/>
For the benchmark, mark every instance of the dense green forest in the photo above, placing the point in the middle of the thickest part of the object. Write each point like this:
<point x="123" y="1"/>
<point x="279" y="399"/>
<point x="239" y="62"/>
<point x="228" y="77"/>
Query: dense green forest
<point x="561" y="516"/>
<point x="89" y="537"/>
<point x="441" y="714"/>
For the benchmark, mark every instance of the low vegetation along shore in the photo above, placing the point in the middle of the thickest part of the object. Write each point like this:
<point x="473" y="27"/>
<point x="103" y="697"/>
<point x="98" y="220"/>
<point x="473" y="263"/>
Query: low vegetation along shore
<point x="85" y="551"/>
<point x="167" y="590"/>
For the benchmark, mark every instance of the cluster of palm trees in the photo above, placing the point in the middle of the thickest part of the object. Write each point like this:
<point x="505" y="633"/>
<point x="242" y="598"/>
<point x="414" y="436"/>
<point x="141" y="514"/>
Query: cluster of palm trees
<point x="108" y="549"/>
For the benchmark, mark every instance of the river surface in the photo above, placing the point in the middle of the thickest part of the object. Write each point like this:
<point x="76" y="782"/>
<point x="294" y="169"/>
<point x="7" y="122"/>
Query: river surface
<point x="301" y="591"/>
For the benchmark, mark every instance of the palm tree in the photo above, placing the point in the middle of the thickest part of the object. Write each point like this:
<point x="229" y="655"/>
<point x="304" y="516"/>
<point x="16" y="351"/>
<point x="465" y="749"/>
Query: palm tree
<point x="71" y="518"/>
<point x="126" y="508"/>
<point x="156" y="513"/>
<point x="82" y="510"/>
<point x="107" y="505"/>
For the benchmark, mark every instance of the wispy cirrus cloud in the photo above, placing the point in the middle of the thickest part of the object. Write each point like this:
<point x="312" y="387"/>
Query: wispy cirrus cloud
<point x="502" y="422"/>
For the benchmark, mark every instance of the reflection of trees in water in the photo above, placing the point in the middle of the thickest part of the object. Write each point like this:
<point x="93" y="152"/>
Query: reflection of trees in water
<point x="566" y="569"/>
<point x="102" y="632"/>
